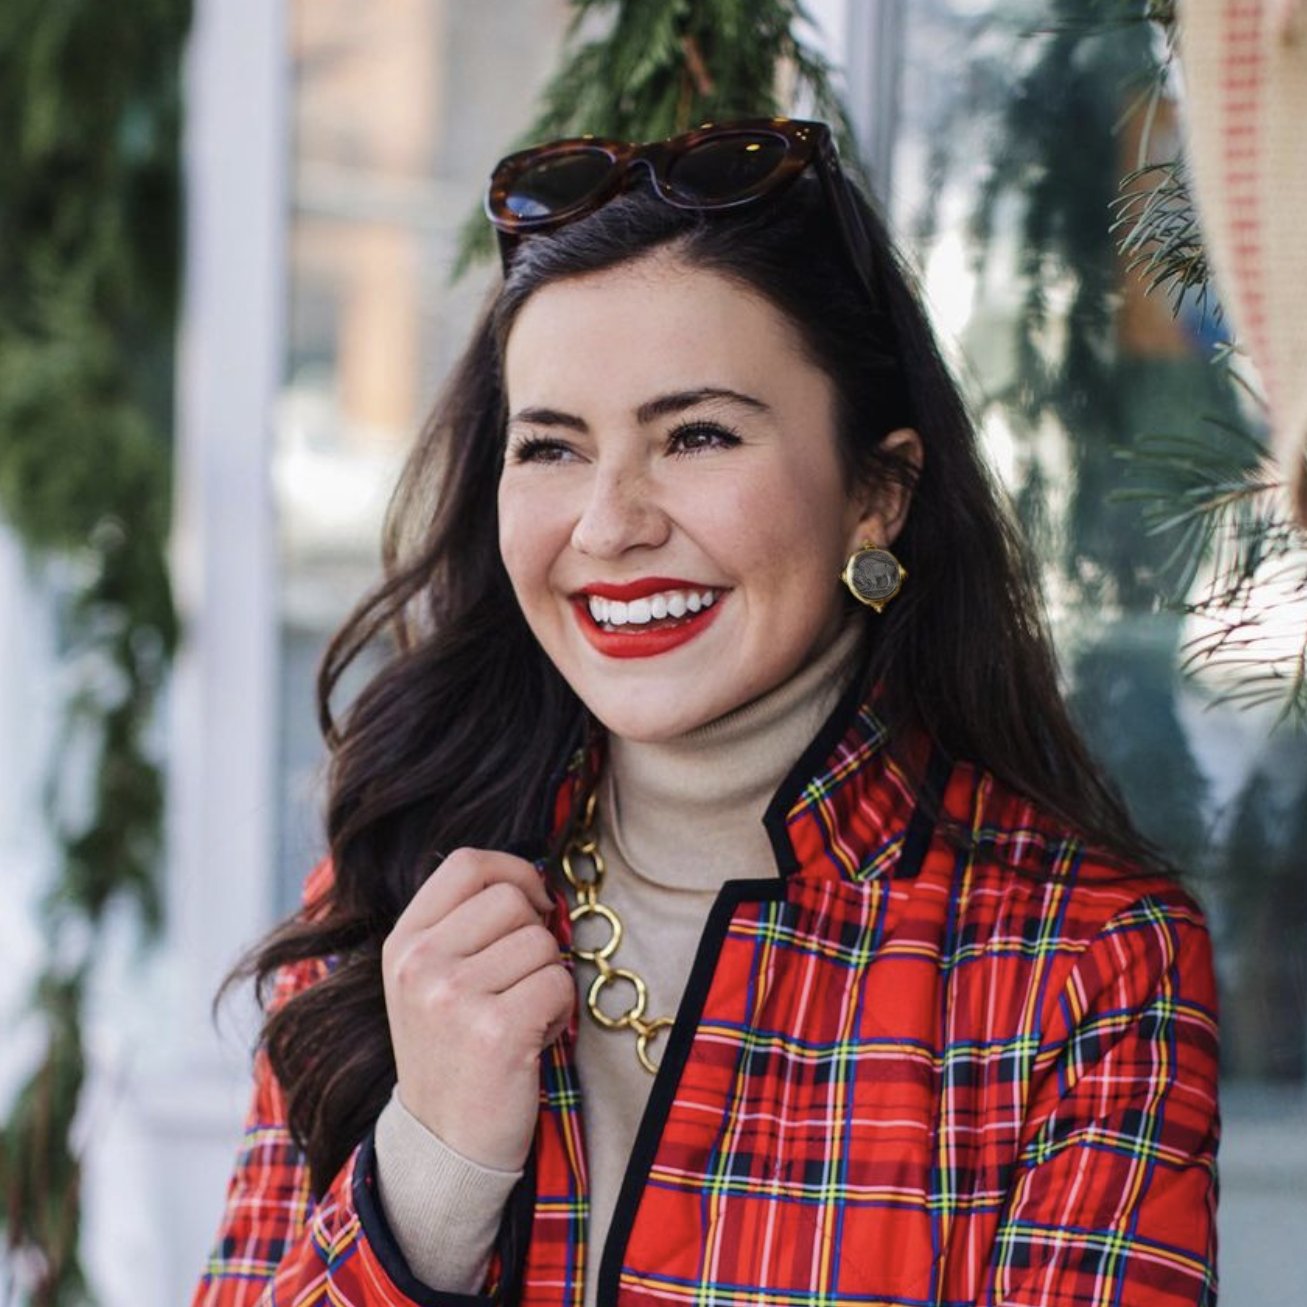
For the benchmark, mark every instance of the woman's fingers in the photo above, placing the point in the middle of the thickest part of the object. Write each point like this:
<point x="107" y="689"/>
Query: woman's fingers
<point x="542" y="1001"/>
<point x="488" y="915"/>
<point x="475" y="988"/>
<point x="463" y="874"/>
<point x="512" y="958"/>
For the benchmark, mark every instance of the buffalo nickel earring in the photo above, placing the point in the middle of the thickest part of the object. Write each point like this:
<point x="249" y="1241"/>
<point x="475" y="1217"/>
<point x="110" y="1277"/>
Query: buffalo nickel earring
<point x="873" y="576"/>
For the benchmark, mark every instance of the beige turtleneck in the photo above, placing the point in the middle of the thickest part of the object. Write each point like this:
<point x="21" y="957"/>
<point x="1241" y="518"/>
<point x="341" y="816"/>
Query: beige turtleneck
<point x="676" y="819"/>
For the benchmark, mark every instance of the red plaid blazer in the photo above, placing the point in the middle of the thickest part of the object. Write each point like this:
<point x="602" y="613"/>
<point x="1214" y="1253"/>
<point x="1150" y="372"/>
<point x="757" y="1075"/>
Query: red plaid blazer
<point x="901" y="1073"/>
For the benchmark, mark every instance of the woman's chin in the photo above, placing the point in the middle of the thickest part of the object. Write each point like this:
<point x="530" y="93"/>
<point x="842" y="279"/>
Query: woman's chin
<point x="649" y="723"/>
<point x="652" y="713"/>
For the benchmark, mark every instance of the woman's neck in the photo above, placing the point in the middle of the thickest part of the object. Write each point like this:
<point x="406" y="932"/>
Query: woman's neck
<point x="687" y="812"/>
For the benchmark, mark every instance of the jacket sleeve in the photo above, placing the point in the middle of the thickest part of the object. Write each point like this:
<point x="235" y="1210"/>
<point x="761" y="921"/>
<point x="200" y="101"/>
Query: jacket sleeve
<point x="1113" y="1196"/>
<point x="276" y="1245"/>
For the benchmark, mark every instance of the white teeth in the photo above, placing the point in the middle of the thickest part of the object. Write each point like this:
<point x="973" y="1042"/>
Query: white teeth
<point x="612" y="613"/>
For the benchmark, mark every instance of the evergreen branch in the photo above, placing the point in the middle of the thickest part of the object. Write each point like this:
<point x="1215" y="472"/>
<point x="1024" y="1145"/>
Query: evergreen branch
<point x="1207" y="506"/>
<point x="1159" y="234"/>
<point x="1223" y="501"/>
<point x="1213" y="489"/>
<point x="40" y="1175"/>
<point x="1238" y="648"/>
<point x="1082" y="19"/>
<point x="89" y="264"/>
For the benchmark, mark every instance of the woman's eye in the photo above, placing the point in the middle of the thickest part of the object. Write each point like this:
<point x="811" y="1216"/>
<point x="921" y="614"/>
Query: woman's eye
<point x="695" y="436"/>
<point x="538" y="449"/>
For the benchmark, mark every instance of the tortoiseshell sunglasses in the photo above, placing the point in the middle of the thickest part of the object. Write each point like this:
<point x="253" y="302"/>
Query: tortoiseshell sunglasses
<point x="716" y="166"/>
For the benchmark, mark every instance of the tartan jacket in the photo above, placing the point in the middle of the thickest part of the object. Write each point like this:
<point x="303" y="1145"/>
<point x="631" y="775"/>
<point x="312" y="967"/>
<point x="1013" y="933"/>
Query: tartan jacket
<point x="903" y="1072"/>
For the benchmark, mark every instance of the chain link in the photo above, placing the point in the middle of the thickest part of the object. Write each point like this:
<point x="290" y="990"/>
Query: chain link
<point x="583" y="868"/>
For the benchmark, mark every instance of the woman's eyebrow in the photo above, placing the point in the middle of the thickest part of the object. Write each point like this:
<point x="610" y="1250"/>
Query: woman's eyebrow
<point x="683" y="399"/>
<point x="662" y="406"/>
<point x="548" y="417"/>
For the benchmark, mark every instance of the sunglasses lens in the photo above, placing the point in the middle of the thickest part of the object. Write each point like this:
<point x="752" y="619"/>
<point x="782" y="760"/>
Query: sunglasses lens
<point x="556" y="183"/>
<point x="722" y="168"/>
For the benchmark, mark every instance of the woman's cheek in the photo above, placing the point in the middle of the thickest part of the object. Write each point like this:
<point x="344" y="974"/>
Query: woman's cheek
<point x="510" y="552"/>
<point x="529" y="531"/>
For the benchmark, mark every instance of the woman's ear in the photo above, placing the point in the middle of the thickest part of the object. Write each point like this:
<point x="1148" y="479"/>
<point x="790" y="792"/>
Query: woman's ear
<point x="885" y="500"/>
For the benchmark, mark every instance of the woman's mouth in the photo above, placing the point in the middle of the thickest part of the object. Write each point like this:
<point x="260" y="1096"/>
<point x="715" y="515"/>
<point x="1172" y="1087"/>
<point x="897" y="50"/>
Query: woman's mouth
<point x="664" y="606"/>
<point x="649" y="624"/>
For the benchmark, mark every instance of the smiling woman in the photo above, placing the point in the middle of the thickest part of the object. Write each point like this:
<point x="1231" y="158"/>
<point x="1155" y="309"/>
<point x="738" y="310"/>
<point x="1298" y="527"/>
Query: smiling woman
<point x="719" y="690"/>
<point x="669" y="416"/>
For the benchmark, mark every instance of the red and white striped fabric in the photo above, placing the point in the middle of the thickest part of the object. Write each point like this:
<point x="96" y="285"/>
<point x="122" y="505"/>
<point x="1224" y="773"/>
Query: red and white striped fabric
<point x="1245" y="70"/>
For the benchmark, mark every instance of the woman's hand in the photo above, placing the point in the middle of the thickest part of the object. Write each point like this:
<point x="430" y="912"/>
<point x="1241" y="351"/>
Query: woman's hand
<point x="475" y="990"/>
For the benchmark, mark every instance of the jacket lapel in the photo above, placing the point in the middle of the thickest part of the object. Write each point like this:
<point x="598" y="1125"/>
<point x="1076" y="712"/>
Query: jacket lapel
<point x="841" y="820"/>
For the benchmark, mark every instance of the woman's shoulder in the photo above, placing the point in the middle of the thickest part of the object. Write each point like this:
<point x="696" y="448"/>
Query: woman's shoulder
<point x="1037" y="911"/>
<point x="317" y="887"/>
<point x="1027" y="851"/>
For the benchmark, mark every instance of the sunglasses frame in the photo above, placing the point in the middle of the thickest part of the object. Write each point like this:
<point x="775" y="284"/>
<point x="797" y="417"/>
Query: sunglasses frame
<point x="805" y="143"/>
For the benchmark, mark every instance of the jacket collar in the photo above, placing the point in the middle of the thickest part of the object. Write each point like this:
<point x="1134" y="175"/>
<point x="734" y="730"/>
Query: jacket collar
<point x="847" y="809"/>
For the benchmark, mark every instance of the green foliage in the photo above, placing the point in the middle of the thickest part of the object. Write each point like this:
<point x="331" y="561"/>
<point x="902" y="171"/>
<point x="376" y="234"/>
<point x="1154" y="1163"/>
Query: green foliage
<point x="660" y="69"/>
<point x="1051" y="87"/>
<point x="1056" y="150"/>
<point x="1158" y="232"/>
<point x="1269" y="919"/>
<point x="1201" y="497"/>
<point x="1130" y="678"/>
<point x="40" y="1175"/>
<point x="1212" y="492"/>
<point x="89" y="265"/>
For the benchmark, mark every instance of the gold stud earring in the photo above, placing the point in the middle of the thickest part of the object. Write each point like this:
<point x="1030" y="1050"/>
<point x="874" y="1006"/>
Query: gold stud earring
<point x="873" y="576"/>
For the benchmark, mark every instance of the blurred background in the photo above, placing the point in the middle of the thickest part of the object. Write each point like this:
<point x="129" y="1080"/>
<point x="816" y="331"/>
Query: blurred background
<point x="293" y="177"/>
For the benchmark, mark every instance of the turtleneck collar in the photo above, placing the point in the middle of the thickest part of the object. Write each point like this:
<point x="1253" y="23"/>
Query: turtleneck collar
<point x="686" y="813"/>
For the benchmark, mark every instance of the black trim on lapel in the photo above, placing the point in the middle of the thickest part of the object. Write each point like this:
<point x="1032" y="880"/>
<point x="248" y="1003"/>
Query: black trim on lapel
<point x="510" y="1243"/>
<point x="535" y="844"/>
<point x="812" y="761"/>
<point x="514" y="1236"/>
<point x="663" y="1093"/>
<point x="925" y="814"/>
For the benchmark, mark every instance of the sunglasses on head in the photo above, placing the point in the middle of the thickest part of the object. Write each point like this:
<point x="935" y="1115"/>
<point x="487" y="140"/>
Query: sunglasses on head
<point x="717" y="166"/>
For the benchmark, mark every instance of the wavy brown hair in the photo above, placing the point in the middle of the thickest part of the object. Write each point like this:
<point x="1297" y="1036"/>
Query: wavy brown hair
<point x="457" y="739"/>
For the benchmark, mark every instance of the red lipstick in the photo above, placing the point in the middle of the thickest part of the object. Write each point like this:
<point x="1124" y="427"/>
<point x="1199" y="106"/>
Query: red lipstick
<point x="639" y="589"/>
<point x="645" y="640"/>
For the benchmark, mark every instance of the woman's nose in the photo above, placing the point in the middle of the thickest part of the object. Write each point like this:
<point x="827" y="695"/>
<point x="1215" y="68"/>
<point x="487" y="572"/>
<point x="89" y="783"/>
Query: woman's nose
<point x="618" y="514"/>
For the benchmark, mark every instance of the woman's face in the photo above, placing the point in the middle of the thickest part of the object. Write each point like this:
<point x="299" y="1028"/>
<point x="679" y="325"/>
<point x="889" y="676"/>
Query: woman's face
<point x="672" y="512"/>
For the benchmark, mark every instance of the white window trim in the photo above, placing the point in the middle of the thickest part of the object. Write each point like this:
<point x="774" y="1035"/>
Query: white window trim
<point x="872" y="59"/>
<point x="221" y="837"/>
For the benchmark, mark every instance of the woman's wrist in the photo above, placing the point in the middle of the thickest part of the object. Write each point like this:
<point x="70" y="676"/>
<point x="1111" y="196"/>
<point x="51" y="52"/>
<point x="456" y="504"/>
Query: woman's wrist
<point x="444" y="1209"/>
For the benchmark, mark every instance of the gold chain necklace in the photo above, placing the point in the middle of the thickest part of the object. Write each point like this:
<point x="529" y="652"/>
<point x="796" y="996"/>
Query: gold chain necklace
<point x="583" y="866"/>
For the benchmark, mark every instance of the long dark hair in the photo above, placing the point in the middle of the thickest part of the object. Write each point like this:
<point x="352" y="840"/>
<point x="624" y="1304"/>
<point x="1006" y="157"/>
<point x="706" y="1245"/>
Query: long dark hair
<point x="458" y="738"/>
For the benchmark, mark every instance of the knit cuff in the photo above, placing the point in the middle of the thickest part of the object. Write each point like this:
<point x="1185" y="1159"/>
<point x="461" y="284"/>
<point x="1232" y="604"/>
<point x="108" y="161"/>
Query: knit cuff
<point x="444" y="1209"/>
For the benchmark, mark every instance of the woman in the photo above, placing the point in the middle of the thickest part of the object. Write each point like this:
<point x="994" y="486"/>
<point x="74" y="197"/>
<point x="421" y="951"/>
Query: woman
<point x="704" y="602"/>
